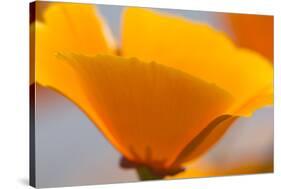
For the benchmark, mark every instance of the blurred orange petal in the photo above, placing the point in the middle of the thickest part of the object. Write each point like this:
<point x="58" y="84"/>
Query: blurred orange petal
<point x="77" y="27"/>
<point x="252" y="31"/>
<point x="66" y="27"/>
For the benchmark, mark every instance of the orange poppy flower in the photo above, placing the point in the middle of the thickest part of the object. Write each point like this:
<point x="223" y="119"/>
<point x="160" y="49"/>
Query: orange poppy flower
<point x="170" y="93"/>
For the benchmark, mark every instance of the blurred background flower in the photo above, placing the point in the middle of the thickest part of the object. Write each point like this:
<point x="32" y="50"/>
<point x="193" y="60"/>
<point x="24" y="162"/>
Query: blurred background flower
<point x="252" y="31"/>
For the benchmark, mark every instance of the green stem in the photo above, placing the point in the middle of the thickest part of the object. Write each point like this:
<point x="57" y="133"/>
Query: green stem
<point x="145" y="173"/>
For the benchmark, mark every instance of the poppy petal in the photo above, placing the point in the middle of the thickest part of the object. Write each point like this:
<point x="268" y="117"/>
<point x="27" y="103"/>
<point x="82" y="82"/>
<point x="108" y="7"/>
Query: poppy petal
<point x="79" y="27"/>
<point x="151" y="110"/>
<point x="199" y="50"/>
<point x="65" y="26"/>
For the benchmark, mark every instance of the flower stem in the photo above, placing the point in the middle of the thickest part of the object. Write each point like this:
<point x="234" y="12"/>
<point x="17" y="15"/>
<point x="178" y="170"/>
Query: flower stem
<point x="145" y="173"/>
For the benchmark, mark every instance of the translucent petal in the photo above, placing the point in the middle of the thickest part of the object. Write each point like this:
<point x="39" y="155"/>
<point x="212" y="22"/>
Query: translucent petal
<point x="199" y="50"/>
<point x="151" y="111"/>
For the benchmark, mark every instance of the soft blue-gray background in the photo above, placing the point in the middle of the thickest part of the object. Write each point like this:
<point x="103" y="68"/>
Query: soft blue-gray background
<point x="71" y="151"/>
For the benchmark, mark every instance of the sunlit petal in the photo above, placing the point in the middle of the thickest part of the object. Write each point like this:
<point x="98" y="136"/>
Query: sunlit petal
<point x="77" y="27"/>
<point x="66" y="27"/>
<point x="199" y="50"/>
<point x="151" y="110"/>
